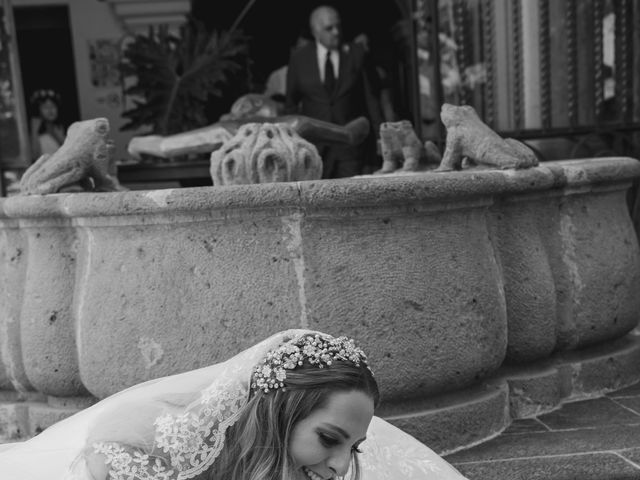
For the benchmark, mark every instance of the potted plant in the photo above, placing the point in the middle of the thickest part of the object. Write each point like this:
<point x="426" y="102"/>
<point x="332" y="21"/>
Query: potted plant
<point x="174" y="76"/>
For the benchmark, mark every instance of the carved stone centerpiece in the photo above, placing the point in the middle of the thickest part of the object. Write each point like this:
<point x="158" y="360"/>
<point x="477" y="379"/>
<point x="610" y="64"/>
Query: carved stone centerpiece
<point x="265" y="153"/>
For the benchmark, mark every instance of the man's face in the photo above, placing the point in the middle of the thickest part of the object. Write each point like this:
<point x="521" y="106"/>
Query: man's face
<point x="326" y="28"/>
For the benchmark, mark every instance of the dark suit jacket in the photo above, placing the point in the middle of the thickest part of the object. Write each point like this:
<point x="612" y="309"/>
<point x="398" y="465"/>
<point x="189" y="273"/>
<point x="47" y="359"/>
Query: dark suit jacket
<point x="355" y="93"/>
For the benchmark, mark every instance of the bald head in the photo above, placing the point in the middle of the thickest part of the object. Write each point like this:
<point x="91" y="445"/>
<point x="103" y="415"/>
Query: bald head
<point x="325" y="27"/>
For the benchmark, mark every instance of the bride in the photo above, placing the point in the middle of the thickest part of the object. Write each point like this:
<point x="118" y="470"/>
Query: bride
<point x="297" y="406"/>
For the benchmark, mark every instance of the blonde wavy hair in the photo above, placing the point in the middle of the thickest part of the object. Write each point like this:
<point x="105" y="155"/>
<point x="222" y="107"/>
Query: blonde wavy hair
<point x="257" y="445"/>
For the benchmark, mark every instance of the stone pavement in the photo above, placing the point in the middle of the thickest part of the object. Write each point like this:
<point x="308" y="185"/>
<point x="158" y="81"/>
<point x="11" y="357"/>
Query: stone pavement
<point x="596" y="439"/>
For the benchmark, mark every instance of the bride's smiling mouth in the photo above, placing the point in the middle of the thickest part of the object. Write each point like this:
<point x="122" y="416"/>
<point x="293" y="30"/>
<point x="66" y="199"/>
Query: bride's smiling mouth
<point x="313" y="475"/>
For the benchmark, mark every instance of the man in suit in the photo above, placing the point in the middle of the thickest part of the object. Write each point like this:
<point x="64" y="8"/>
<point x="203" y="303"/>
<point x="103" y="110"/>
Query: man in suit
<point x="334" y="82"/>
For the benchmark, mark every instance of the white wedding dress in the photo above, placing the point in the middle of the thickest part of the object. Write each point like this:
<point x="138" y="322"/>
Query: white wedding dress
<point x="181" y="419"/>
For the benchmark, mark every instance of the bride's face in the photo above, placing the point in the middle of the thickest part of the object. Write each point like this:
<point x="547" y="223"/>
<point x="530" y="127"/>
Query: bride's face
<point x="321" y="445"/>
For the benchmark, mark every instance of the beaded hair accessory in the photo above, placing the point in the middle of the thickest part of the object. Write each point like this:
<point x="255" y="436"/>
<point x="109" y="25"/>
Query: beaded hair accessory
<point x="40" y="96"/>
<point x="320" y="350"/>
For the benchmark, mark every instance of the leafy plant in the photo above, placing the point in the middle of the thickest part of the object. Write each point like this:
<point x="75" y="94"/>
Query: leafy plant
<point x="176" y="75"/>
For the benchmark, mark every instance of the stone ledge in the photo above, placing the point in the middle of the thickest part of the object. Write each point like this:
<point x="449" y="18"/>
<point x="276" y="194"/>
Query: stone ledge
<point x="572" y="376"/>
<point x="346" y="193"/>
<point x="450" y="422"/>
<point x="467" y="418"/>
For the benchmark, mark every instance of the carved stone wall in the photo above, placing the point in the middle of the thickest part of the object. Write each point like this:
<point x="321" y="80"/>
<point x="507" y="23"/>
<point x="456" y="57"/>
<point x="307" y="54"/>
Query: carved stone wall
<point x="480" y="295"/>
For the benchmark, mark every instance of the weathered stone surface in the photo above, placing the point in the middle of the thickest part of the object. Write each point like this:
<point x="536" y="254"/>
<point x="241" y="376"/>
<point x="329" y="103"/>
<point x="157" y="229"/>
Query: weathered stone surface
<point x="528" y="280"/>
<point x="631" y="392"/>
<point x="632" y="454"/>
<point x="604" y="368"/>
<point x="596" y="286"/>
<point x="534" y="391"/>
<point x="47" y="327"/>
<point x="613" y="437"/>
<point x="595" y="466"/>
<point x="14" y="422"/>
<point x="525" y="426"/>
<point x="595" y="438"/>
<point x="265" y="153"/>
<point x="589" y="413"/>
<point x="42" y="416"/>
<point x="538" y="388"/>
<point x="449" y="324"/>
<point x="632" y="403"/>
<point x="170" y="280"/>
<point x="13" y="262"/>
<point x="46" y="320"/>
<point x="222" y="282"/>
<point x="447" y="422"/>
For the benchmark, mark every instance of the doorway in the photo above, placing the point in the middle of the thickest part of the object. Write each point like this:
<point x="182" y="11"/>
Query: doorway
<point x="46" y="56"/>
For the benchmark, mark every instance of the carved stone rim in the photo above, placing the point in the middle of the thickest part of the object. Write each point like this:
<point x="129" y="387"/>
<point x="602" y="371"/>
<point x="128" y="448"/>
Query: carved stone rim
<point x="320" y="194"/>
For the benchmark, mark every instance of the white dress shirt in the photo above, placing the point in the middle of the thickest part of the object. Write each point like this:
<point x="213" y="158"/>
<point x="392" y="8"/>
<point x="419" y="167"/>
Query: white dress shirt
<point x="322" y="58"/>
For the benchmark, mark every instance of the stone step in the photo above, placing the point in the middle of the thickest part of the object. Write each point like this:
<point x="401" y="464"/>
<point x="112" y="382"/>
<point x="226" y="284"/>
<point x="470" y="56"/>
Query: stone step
<point x="595" y="439"/>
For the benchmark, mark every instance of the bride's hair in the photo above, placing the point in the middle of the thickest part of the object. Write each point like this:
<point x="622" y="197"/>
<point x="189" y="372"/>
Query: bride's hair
<point x="257" y="445"/>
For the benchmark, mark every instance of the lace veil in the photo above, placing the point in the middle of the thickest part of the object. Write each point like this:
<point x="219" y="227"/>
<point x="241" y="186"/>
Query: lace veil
<point x="173" y="428"/>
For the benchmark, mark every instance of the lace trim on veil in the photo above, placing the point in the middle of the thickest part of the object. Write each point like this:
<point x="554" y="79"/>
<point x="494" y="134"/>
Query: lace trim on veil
<point x="191" y="440"/>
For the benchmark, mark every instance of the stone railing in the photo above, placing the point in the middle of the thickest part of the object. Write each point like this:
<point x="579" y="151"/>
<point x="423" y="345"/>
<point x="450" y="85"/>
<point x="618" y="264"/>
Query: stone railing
<point x="480" y="295"/>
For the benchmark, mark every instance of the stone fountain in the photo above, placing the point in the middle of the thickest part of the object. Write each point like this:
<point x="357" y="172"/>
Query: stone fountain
<point x="482" y="295"/>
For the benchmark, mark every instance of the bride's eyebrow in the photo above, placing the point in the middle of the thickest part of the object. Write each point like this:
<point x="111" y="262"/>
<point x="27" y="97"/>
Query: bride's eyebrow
<point x="340" y="431"/>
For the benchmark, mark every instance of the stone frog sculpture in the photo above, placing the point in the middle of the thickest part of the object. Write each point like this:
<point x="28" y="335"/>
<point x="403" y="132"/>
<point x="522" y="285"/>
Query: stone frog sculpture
<point x="85" y="159"/>
<point x="468" y="137"/>
<point x="265" y="153"/>
<point x="403" y="151"/>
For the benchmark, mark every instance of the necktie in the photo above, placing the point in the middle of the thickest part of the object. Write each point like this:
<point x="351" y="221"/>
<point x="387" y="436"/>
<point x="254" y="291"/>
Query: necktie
<point x="329" y="74"/>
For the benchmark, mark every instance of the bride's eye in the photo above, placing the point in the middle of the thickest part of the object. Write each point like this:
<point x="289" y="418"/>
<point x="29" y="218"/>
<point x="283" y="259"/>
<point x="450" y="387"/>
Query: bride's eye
<point x="327" y="440"/>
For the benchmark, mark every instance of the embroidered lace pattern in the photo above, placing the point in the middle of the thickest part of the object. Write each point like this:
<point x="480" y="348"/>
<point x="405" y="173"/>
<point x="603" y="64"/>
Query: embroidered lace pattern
<point x="132" y="465"/>
<point x="191" y="440"/>
<point x="194" y="440"/>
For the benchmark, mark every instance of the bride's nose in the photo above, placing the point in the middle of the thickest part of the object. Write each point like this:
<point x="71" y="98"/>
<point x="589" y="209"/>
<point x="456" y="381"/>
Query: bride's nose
<point x="339" y="462"/>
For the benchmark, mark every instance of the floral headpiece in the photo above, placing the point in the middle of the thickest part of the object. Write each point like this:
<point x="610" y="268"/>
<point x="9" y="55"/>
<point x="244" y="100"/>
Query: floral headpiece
<point x="313" y="349"/>
<point x="40" y="96"/>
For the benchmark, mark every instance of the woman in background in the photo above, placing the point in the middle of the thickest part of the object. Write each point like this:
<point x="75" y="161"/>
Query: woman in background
<point x="47" y="131"/>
